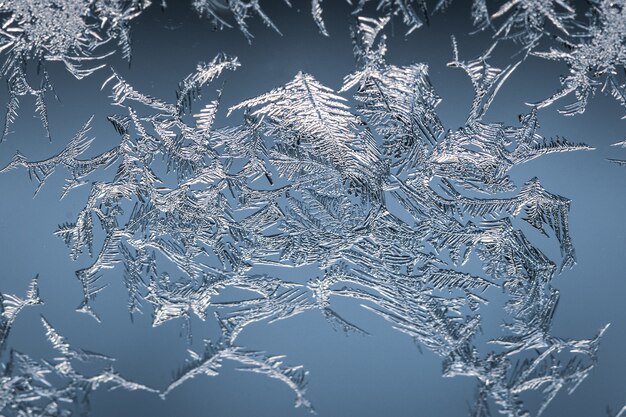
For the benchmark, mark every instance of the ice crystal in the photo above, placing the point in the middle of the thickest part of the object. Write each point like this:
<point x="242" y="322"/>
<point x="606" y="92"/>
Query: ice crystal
<point x="412" y="12"/>
<point x="55" y="388"/>
<point x="241" y="11"/>
<point x="596" y="60"/>
<point x="209" y="362"/>
<point x="523" y="21"/>
<point x="11" y="306"/>
<point x="69" y="31"/>
<point x="386" y="201"/>
<point x="527" y="20"/>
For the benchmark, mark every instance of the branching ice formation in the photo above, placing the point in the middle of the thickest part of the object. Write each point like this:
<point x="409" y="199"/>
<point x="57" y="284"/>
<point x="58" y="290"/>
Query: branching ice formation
<point x="597" y="59"/>
<point x="11" y="306"/>
<point x="30" y="387"/>
<point x="524" y="21"/>
<point x="35" y="33"/>
<point x="593" y="51"/>
<point x="209" y="362"/>
<point x="241" y="11"/>
<point x="381" y="198"/>
<point x="621" y="162"/>
<point x="412" y="12"/>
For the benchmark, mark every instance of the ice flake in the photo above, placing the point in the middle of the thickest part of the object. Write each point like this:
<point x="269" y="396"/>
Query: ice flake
<point x="526" y="20"/>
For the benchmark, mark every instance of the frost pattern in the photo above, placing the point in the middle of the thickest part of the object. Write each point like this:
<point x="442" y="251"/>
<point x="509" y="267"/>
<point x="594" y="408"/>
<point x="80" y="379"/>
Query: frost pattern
<point x="381" y="198"/>
<point x="523" y="21"/>
<point x="35" y="32"/>
<point x="527" y="19"/>
<point x="241" y="10"/>
<point x="620" y="162"/>
<point x="593" y="51"/>
<point x="414" y="13"/>
<point x="55" y="388"/>
<point x="596" y="60"/>
<point x="12" y="305"/>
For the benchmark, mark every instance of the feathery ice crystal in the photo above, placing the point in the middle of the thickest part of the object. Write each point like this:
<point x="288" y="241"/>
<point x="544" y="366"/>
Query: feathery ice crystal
<point x="375" y="196"/>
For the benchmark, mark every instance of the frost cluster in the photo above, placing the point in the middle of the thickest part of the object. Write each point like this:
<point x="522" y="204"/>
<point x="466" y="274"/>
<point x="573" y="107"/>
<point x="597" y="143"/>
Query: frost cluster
<point x="30" y="387"/>
<point x="35" y="33"/>
<point x="366" y="185"/>
<point x="382" y="198"/>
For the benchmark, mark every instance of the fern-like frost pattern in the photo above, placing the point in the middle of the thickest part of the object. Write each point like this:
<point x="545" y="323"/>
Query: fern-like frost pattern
<point x="35" y="33"/>
<point x="364" y="184"/>
<point x="380" y="197"/>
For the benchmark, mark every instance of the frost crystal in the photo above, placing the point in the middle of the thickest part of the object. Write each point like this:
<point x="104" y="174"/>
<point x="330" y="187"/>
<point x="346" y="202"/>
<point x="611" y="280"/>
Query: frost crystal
<point x="241" y="10"/>
<point x="38" y="32"/>
<point x="40" y="388"/>
<point x="375" y="196"/>
<point x="523" y="21"/>
<point x="10" y="307"/>
<point x="412" y="12"/>
<point x="596" y="60"/>
<point x="526" y="19"/>
<point x="621" y="162"/>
